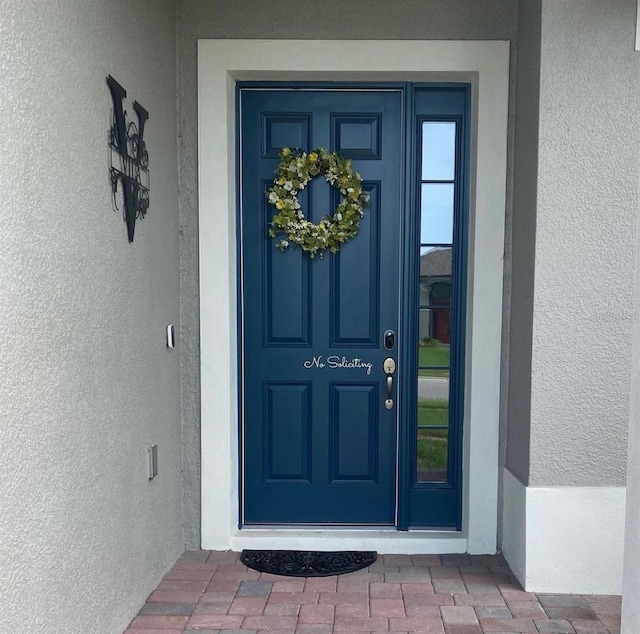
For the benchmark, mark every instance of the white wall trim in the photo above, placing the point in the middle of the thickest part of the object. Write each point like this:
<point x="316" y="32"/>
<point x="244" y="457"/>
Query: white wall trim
<point x="514" y="530"/>
<point x="565" y="539"/>
<point x="638" y="26"/>
<point x="631" y="573"/>
<point x="220" y="64"/>
<point x="384" y="541"/>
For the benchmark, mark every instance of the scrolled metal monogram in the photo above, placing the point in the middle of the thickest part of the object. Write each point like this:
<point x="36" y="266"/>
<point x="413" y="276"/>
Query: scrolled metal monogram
<point x="129" y="159"/>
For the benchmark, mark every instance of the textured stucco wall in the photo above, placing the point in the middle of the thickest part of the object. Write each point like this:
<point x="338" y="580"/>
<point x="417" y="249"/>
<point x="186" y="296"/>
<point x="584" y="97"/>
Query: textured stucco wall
<point x="523" y="233"/>
<point x="86" y="383"/>
<point x="360" y="19"/>
<point x="585" y="243"/>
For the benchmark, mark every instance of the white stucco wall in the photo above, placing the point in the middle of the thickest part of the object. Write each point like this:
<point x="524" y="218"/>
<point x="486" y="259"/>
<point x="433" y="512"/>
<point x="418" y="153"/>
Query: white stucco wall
<point x="408" y="20"/>
<point x="86" y="383"/>
<point x="585" y="243"/>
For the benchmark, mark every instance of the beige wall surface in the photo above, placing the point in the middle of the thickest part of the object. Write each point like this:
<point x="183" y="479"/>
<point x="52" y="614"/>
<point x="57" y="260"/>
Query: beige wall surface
<point x="585" y="242"/>
<point x="360" y="19"/>
<point x="86" y="382"/>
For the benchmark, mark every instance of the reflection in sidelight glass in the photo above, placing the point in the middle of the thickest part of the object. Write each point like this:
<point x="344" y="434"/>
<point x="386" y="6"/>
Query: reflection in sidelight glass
<point x="435" y="260"/>
<point x="434" y="331"/>
<point x="438" y="150"/>
<point x="436" y="213"/>
<point x="432" y="446"/>
<point x="435" y="276"/>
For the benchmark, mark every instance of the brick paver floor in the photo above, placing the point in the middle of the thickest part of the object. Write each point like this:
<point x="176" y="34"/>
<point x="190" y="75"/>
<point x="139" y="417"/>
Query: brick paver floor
<point x="212" y="592"/>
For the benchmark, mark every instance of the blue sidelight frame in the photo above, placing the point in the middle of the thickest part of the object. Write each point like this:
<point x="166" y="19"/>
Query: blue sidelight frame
<point x="412" y="511"/>
<point x="434" y="102"/>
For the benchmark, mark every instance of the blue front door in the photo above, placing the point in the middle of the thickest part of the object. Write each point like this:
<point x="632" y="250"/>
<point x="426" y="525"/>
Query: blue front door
<point x="318" y="442"/>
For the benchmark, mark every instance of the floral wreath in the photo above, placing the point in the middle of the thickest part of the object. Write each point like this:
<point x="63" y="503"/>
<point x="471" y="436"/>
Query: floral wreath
<point x="292" y="176"/>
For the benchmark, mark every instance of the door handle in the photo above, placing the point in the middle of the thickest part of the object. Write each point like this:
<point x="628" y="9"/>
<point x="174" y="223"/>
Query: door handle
<point x="389" y="367"/>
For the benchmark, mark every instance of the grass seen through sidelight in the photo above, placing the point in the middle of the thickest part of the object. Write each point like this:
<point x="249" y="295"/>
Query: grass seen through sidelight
<point x="432" y="444"/>
<point x="431" y="356"/>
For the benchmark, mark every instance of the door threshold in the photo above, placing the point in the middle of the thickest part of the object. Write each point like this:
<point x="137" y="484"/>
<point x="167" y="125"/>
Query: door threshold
<point x="386" y="540"/>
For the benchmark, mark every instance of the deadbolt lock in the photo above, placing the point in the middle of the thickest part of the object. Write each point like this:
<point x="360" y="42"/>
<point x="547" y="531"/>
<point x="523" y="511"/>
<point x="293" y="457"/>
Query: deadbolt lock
<point x="389" y="366"/>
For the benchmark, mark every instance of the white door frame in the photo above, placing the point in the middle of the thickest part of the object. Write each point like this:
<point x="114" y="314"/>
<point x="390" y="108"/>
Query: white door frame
<point x="485" y="64"/>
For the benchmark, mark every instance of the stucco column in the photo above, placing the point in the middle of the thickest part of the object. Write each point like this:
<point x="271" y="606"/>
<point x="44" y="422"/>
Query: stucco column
<point x="574" y="252"/>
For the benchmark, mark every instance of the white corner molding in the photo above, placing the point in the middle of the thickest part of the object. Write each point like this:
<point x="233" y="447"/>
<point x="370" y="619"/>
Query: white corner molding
<point x="221" y="63"/>
<point x="564" y="539"/>
<point x="514" y="528"/>
<point x="638" y="26"/>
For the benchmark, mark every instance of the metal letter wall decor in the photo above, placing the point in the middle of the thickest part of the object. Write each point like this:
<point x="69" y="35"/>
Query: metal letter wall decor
<point x="129" y="159"/>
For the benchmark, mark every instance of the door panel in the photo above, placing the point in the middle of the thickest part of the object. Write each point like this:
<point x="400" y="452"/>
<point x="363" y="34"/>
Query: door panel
<point x="355" y="280"/>
<point x="354" y="433"/>
<point x="287" y="297"/>
<point x="319" y="445"/>
<point x="287" y="432"/>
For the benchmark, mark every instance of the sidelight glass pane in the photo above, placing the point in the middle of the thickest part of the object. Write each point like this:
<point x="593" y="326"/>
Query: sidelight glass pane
<point x="432" y="446"/>
<point x="435" y="276"/>
<point x="436" y="213"/>
<point x="440" y="372"/>
<point x="438" y="150"/>
<point x="435" y="261"/>
<point x="434" y="330"/>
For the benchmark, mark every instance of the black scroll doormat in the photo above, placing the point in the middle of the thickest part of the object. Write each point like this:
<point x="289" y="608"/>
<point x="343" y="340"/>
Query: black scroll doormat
<point x="302" y="563"/>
